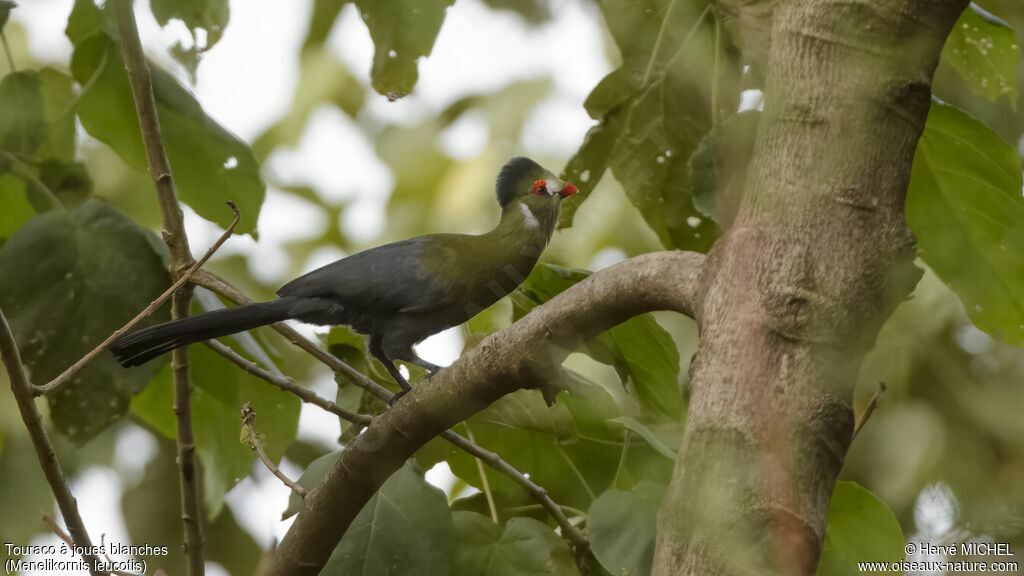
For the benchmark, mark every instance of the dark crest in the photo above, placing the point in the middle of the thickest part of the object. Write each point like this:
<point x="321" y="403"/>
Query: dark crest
<point x="513" y="176"/>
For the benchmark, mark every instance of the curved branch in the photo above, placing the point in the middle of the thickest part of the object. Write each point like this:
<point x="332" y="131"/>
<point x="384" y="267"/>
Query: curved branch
<point x="22" y="391"/>
<point x="501" y="364"/>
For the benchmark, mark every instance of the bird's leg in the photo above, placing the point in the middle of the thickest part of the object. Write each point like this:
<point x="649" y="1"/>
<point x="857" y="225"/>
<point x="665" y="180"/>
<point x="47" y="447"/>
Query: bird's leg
<point x="378" y="352"/>
<point x="431" y="368"/>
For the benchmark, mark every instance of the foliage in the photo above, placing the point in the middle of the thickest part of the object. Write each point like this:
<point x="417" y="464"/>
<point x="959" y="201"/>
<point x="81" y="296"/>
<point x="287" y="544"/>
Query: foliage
<point x="79" y="256"/>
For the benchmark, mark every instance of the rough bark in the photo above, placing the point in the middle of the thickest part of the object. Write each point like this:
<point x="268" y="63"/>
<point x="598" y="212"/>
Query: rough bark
<point x="796" y="291"/>
<point x="523" y="354"/>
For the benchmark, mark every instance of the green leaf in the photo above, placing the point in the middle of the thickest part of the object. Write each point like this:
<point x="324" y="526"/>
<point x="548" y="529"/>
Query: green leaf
<point x="525" y="547"/>
<point x="403" y="31"/>
<point x="15" y="208"/>
<point x="220" y="389"/>
<point x="406" y="528"/>
<point x="22" y="124"/>
<point x="639" y="347"/>
<point x="533" y="11"/>
<point x="310" y="479"/>
<point x="622" y="529"/>
<point x="210" y="164"/>
<point x="965" y="206"/>
<point x="210" y="16"/>
<point x="861" y="528"/>
<point x="5" y="11"/>
<point x="984" y="50"/>
<point x="649" y="435"/>
<point x="67" y="281"/>
<point x="589" y="163"/>
<point x="59" y="142"/>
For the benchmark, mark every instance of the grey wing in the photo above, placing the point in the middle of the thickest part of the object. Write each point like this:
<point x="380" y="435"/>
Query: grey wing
<point x="385" y="278"/>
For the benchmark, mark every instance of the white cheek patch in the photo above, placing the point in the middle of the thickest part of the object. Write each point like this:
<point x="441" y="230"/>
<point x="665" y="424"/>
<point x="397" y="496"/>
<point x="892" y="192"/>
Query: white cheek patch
<point x="528" y="218"/>
<point x="555" y="186"/>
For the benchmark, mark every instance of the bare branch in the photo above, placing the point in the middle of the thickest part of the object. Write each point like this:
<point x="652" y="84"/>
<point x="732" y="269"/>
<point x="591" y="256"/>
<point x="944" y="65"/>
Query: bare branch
<point x="287" y="384"/>
<point x="249" y="423"/>
<point x="872" y="404"/>
<point x="67" y="374"/>
<point x="501" y="364"/>
<point x="181" y="259"/>
<point x="569" y="532"/>
<point x="56" y="529"/>
<point x="41" y="440"/>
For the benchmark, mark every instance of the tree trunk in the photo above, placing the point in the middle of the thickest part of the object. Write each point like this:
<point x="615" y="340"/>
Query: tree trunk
<point x="797" y="290"/>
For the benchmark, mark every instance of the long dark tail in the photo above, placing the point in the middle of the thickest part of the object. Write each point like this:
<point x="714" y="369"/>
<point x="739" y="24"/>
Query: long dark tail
<point x="142" y="346"/>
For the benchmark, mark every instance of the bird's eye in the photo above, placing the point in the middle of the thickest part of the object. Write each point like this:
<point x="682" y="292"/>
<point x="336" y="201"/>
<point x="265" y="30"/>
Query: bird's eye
<point x="540" y="188"/>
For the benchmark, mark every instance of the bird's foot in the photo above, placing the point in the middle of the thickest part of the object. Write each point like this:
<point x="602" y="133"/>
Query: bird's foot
<point x="397" y="396"/>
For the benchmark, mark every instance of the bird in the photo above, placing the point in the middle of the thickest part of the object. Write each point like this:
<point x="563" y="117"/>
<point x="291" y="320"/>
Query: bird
<point x="400" y="293"/>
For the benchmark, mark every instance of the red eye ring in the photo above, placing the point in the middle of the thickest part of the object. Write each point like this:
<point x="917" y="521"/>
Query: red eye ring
<point x="540" y="188"/>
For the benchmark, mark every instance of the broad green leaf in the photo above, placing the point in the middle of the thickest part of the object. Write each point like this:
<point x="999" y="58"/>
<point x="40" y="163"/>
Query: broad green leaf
<point x="984" y="50"/>
<point x="403" y="31"/>
<point x="22" y="124"/>
<point x="58" y="97"/>
<point x="15" y="208"/>
<point x="545" y="443"/>
<point x="525" y="547"/>
<point x="5" y="11"/>
<point x="220" y="389"/>
<point x="67" y="281"/>
<point x="589" y="163"/>
<point x="965" y="206"/>
<point x="210" y="164"/>
<point x="210" y="16"/>
<point x="310" y="479"/>
<point x="533" y="11"/>
<point x="718" y="167"/>
<point x="622" y="529"/>
<point x="861" y="528"/>
<point x="406" y="528"/>
<point x="639" y="348"/>
<point x="649" y="435"/>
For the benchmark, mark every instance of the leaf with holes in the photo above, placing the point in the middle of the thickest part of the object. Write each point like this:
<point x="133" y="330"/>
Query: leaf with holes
<point x="67" y="281"/>
<point x="965" y="206"/>
<point x="403" y="31"/>
<point x="210" y="164"/>
<point x="984" y="50"/>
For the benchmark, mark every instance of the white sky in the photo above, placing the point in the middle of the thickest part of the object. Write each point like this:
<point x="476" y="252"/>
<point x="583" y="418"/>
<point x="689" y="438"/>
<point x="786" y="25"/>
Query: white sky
<point x="246" y="82"/>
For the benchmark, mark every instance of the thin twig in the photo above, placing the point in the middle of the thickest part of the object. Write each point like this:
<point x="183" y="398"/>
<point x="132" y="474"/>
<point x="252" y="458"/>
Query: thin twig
<point x="67" y="374"/>
<point x="216" y="284"/>
<point x="483" y="478"/>
<point x="872" y="404"/>
<point x="56" y="529"/>
<point x="22" y="391"/>
<point x="569" y="532"/>
<point x="287" y="384"/>
<point x="110" y="561"/>
<point x="528" y="507"/>
<point x="249" y="422"/>
<point x="181" y="259"/>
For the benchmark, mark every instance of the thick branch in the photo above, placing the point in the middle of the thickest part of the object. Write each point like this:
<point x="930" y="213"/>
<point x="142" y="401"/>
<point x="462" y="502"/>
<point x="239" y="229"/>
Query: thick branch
<point x="41" y="442"/>
<point x="504" y="362"/>
<point x="181" y="259"/>
<point x="569" y="532"/>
